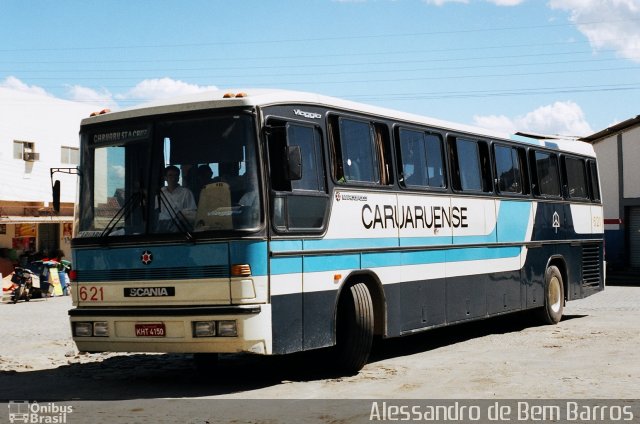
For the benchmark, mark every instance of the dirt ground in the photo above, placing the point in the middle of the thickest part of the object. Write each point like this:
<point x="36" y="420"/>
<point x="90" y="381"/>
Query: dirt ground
<point x="592" y="353"/>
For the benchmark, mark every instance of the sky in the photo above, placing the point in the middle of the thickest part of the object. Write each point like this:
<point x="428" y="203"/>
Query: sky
<point x="562" y="67"/>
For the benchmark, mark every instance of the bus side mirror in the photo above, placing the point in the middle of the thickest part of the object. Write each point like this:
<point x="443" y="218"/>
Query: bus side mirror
<point x="293" y="162"/>
<point x="56" y="196"/>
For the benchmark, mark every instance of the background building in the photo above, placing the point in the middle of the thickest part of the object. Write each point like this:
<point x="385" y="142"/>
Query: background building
<point x="37" y="132"/>
<point x="618" y="150"/>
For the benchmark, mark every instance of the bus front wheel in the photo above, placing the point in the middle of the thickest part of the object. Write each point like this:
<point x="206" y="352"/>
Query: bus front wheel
<point x="551" y="312"/>
<point x="355" y="327"/>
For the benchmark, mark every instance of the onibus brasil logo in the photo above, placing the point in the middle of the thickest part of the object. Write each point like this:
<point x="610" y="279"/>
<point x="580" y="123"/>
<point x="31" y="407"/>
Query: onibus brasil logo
<point x="23" y="411"/>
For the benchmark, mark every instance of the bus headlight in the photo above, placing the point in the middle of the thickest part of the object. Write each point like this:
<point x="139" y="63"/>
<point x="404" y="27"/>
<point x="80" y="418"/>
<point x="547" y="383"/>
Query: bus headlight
<point x="101" y="329"/>
<point x="227" y="329"/>
<point x="204" y="329"/>
<point x="89" y="328"/>
<point x="82" y="329"/>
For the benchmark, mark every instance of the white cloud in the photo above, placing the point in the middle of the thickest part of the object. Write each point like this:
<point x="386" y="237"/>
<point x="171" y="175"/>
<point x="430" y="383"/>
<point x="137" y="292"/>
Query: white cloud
<point x="559" y="118"/>
<point x="118" y="170"/>
<point x="82" y="94"/>
<point x="160" y="88"/>
<point x="608" y="24"/>
<point x="14" y="83"/>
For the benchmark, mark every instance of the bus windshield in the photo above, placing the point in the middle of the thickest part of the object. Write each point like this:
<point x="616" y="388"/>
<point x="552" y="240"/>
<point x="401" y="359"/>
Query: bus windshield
<point x="186" y="175"/>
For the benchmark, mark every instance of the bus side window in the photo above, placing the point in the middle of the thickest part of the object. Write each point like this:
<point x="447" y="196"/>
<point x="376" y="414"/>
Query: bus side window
<point x="546" y="176"/>
<point x="361" y="152"/>
<point x="576" y="178"/>
<point x="508" y="165"/>
<point x="298" y="205"/>
<point x="420" y="159"/>
<point x="470" y="164"/>
<point x="594" y="182"/>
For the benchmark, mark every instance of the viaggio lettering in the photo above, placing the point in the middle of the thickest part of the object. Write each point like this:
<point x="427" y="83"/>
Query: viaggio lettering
<point x="390" y="216"/>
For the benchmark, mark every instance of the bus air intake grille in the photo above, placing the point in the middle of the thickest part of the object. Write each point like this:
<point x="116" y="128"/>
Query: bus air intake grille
<point x="213" y="271"/>
<point x="591" y="265"/>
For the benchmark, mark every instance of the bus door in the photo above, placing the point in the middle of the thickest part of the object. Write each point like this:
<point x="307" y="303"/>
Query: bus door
<point x="299" y="205"/>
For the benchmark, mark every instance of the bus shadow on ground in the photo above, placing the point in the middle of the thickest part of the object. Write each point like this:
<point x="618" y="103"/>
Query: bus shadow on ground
<point x="150" y="376"/>
<point x="458" y="333"/>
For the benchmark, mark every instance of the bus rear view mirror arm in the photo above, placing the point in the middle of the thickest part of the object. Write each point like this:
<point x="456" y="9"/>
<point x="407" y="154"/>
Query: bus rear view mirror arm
<point x="55" y="185"/>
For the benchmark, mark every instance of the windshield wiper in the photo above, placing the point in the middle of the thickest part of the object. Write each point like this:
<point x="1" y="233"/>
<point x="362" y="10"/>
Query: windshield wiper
<point x="177" y="217"/>
<point x="124" y="212"/>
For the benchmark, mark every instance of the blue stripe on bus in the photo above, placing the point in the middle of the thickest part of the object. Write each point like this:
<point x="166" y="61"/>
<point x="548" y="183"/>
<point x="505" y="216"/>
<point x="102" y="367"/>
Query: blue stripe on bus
<point x="355" y="243"/>
<point x="285" y="245"/>
<point x="286" y="265"/>
<point x="321" y="263"/>
<point x="513" y="220"/>
<point x="332" y="263"/>
<point x="481" y="253"/>
<point x="425" y="241"/>
<point x="181" y="256"/>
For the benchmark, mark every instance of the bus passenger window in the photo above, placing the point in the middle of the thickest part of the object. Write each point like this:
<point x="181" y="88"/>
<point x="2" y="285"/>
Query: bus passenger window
<point x="360" y="151"/>
<point x="547" y="177"/>
<point x="593" y="181"/>
<point x="468" y="159"/>
<point x="358" y="154"/>
<point x="421" y="159"/>
<point x="576" y="178"/>
<point x="508" y="171"/>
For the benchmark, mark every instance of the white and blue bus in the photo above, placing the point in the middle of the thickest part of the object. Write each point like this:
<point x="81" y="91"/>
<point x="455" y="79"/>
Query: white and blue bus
<point x="302" y="222"/>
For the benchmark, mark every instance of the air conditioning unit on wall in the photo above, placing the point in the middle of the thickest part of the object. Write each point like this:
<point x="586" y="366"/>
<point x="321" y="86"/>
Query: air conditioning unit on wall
<point x="31" y="156"/>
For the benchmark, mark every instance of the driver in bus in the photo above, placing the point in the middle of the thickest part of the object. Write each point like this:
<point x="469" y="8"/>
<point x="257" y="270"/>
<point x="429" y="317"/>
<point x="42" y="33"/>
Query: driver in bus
<point x="180" y="199"/>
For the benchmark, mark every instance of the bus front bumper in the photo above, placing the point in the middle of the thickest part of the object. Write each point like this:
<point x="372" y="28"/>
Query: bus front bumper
<point x="188" y="329"/>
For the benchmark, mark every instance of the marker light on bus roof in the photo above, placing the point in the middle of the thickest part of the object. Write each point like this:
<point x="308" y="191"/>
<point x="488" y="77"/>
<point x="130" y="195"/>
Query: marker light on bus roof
<point x="234" y="95"/>
<point x="102" y="112"/>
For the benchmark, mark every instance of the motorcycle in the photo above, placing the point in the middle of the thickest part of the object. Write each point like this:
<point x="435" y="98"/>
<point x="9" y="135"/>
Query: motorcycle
<point x="22" y="286"/>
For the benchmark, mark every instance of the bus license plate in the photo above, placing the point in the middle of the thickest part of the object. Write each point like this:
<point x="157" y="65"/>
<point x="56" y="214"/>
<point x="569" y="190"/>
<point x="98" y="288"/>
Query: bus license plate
<point x="150" y="330"/>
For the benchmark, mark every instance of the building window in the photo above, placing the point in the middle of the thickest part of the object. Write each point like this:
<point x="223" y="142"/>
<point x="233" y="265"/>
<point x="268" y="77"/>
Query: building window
<point x="70" y="155"/>
<point x="24" y="150"/>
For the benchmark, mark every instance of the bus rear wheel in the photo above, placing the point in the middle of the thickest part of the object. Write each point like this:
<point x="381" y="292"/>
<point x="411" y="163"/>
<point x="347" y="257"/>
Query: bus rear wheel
<point x="551" y="312"/>
<point x="355" y="327"/>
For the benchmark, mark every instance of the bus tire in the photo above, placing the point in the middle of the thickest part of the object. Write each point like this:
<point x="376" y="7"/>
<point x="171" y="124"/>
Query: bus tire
<point x="551" y="312"/>
<point x="354" y="329"/>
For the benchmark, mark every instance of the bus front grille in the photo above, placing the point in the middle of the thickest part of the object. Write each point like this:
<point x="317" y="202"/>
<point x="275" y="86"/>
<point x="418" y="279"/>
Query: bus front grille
<point x="213" y="271"/>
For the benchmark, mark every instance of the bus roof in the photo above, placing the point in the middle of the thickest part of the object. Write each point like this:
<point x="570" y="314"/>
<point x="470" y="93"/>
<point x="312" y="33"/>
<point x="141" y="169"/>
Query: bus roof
<point x="267" y="97"/>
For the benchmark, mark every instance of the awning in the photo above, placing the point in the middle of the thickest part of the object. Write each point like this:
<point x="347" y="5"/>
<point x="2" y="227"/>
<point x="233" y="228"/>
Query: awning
<point x="17" y="219"/>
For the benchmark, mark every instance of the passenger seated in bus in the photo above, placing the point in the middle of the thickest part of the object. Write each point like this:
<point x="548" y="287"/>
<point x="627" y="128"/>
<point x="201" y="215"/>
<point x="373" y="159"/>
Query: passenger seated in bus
<point x="181" y="203"/>
<point x="203" y="177"/>
<point x="229" y="173"/>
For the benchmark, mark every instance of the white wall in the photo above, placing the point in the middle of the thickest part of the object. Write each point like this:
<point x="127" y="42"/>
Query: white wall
<point x="631" y="158"/>
<point x="607" y="154"/>
<point x="47" y="122"/>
